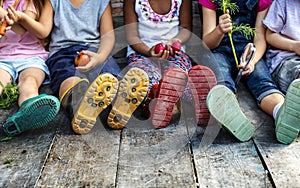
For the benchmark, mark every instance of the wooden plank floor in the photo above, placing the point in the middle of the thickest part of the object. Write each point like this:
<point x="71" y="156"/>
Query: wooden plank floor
<point x="181" y="155"/>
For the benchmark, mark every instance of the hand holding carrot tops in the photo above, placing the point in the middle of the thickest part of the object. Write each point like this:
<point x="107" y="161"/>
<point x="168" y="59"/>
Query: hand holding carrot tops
<point x="225" y="24"/>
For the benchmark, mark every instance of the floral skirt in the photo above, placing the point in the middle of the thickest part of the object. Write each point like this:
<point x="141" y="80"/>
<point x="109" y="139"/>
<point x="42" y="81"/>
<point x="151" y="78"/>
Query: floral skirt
<point x="155" y="67"/>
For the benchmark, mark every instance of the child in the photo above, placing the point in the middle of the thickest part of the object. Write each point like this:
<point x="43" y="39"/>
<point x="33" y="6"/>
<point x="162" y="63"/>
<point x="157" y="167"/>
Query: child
<point x="283" y="58"/>
<point x="221" y="100"/>
<point x="22" y="61"/>
<point x="149" y="23"/>
<point x="85" y="27"/>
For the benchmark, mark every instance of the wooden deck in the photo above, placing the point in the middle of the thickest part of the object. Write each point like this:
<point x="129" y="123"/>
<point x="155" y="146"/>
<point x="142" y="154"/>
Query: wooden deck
<point x="181" y="155"/>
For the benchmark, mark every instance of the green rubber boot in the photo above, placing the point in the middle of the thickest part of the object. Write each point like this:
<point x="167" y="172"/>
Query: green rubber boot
<point x="34" y="113"/>
<point x="288" y="117"/>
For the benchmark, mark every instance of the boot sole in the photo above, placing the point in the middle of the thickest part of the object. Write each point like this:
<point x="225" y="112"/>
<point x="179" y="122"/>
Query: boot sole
<point x="287" y="127"/>
<point x="201" y="80"/>
<point x="98" y="96"/>
<point x="171" y="89"/>
<point x="132" y="91"/>
<point x="37" y="115"/>
<point x="224" y="107"/>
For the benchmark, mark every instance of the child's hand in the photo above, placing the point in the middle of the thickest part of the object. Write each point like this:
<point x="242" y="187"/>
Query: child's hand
<point x="225" y="24"/>
<point x="14" y="15"/>
<point x="163" y="54"/>
<point x="174" y="46"/>
<point x="248" y="69"/>
<point x="94" y="60"/>
<point x="9" y="22"/>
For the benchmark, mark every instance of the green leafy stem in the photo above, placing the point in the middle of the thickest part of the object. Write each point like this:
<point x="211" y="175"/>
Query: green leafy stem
<point x="9" y="95"/>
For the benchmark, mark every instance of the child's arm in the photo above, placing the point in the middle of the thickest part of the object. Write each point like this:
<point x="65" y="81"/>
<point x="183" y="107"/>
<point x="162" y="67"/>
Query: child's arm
<point x="283" y="43"/>
<point x="42" y="28"/>
<point x="131" y="31"/>
<point x="185" y="26"/>
<point x="213" y="33"/>
<point x="15" y="26"/>
<point x="259" y="41"/>
<point x="107" y="41"/>
<point x="185" y="21"/>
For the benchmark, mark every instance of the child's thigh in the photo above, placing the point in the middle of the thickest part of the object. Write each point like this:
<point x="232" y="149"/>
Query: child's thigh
<point x="7" y="73"/>
<point x="5" y="76"/>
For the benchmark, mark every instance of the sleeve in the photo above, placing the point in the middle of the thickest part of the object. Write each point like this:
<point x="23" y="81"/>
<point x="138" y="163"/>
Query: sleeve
<point x="104" y="4"/>
<point x="54" y="4"/>
<point x="208" y="4"/>
<point x="276" y="12"/>
<point x="263" y="4"/>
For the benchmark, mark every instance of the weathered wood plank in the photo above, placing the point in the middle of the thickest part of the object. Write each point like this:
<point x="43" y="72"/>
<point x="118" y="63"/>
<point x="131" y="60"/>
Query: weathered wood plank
<point x="280" y="160"/>
<point x="155" y="158"/>
<point x="27" y="151"/>
<point x="228" y="163"/>
<point x="82" y="160"/>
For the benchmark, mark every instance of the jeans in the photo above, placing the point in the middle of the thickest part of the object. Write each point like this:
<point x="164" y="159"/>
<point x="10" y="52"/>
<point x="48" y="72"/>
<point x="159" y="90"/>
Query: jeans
<point x="259" y="81"/>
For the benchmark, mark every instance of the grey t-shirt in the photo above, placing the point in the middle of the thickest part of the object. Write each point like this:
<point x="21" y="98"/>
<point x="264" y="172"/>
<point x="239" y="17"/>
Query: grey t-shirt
<point x="76" y="26"/>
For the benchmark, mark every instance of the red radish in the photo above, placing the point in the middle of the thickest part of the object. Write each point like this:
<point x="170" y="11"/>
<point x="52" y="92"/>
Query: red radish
<point x="81" y="59"/>
<point x="159" y="47"/>
<point x="176" y="46"/>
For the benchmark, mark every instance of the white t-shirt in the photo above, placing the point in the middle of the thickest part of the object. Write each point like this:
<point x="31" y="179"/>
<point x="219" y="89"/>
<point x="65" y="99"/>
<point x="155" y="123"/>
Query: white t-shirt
<point x="154" y="28"/>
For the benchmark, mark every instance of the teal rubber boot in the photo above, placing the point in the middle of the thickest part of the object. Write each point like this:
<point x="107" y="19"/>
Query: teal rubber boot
<point x="224" y="107"/>
<point x="34" y="113"/>
<point x="287" y="121"/>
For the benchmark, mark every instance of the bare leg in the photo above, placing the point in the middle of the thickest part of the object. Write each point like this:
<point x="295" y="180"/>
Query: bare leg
<point x="30" y="80"/>
<point x="66" y="84"/>
<point x="269" y="102"/>
<point x="5" y="78"/>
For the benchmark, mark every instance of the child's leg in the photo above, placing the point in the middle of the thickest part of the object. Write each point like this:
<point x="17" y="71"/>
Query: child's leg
<point x="5" y="79"/>
<point x="172" y="87"/>
<point x="29" y="81"/>
<point x="132" y="90"/>
<point x="201" y="80"/>
<point x="35" y="110"/>
<point x="71" y="92"/>
<point x="287" y="120"/>
<point x="97" y="97"/>
<point x="152" y="69"/>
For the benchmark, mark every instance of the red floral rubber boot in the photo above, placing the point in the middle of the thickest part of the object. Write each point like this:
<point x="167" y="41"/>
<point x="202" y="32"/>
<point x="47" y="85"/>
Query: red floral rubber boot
<point x="201" y="80"/>
<point x="171" y="89"/>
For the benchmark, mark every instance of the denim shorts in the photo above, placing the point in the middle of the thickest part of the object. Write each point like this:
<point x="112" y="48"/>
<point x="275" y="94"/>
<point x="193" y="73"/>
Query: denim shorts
<point x="287" y="71"/>
<point x="61" y="66"/>
<point x="13" y="67"/>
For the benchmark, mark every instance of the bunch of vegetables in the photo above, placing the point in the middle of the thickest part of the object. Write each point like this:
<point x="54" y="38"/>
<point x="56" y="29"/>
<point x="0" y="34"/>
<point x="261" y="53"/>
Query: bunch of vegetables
<point x="9" y="95"/>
